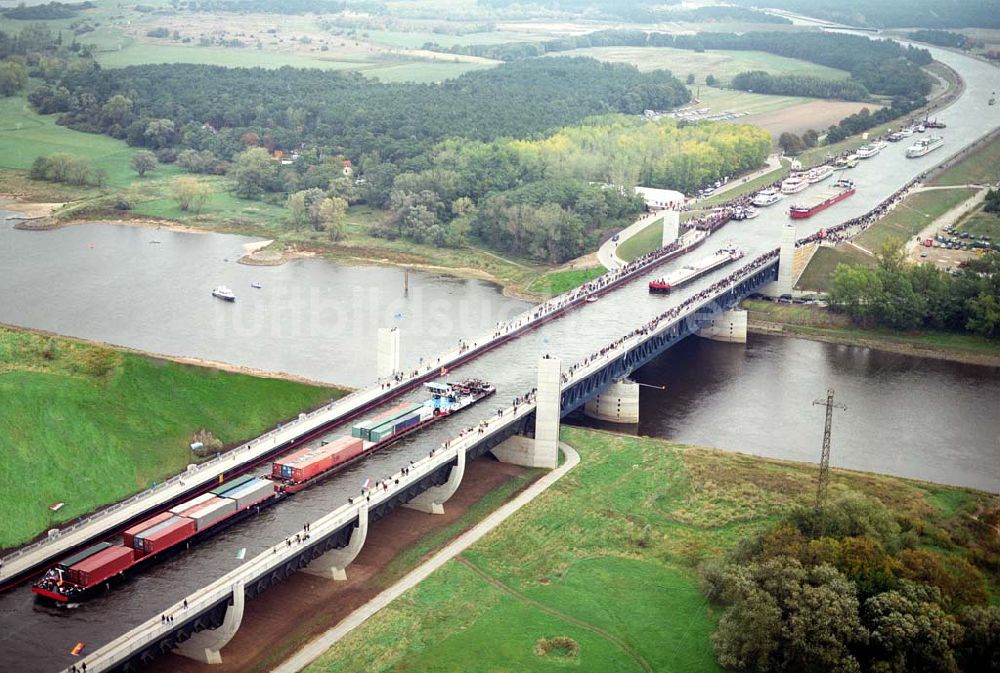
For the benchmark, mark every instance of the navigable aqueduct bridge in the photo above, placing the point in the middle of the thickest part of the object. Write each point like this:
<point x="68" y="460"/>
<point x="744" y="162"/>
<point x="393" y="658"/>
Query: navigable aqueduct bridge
<point x="524" y="432"/>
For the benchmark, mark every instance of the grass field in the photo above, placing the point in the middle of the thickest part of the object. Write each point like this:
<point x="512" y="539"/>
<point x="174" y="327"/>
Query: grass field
<point x="914" y="213"/>
<point x="816" y="275"/>
<point x="25" y="135"/>
<point x="597" y="574"/>
<point x="747" y="188"/>
<point x="140" y="53"/>
<point x="980" y="167"/>
<point x="729" y="100"/>
<point x="557" y="282"/>
<point x="647" y="240"/>
<point x="89" y="426"/>
<point x="724" y="65"/>
<point x="981" y="223"/>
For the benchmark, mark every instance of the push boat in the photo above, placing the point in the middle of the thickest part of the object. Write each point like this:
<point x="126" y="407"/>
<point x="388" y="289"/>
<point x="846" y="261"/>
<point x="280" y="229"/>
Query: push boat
<point x="841" y="189"/>
<point x="305" y="467"/>
<point x="819" y="173"/>
<point x="924" y="146"/>
<point x="98" y="567"/>
<point x="691" y="271"/>
<point x="766" y="197"/>
<point x="794" y="184"/>
<point x="224" y="293"/>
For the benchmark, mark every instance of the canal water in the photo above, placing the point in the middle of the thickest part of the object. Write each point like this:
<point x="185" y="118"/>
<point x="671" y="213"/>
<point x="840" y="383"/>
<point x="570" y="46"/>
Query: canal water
<point x="908" y="416"/>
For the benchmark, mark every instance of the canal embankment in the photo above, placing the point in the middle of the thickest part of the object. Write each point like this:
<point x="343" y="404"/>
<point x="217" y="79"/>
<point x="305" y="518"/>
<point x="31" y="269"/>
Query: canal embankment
<point x="819" y="323"/>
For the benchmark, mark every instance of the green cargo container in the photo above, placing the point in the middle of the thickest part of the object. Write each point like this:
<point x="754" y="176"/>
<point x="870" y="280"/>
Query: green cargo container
<point x="84" y="554"/>
<point x="230" y="485"/>
<point x="369" y="429"/>
<point x="360" y="429"/>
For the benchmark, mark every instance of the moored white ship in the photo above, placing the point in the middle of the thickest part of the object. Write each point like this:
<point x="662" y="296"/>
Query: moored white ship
<point x="766" y="197"/>
<point x="924" y="146"/>
<point x="794" y="184"/>
<point x="819" y="173"/>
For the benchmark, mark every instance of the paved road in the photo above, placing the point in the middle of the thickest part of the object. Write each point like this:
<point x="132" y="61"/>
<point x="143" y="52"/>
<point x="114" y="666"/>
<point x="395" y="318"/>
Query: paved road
<point x="320" y="645"/>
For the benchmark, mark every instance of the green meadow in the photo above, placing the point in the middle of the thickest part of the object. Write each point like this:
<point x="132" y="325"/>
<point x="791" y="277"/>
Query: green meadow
<point x="89" y="426"/>
<point x="598" y="573"/>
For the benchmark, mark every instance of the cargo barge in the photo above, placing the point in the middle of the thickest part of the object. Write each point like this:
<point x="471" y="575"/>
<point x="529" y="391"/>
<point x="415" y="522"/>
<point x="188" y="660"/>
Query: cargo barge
<point x="841" y="190"/>
<point x="302" y="469"/>
<point x="98" y="567"/>
<point x="924" y="146"/>
<point x="691" y="271"/>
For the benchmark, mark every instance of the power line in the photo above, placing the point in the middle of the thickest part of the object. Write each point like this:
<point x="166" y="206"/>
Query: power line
<point x="824" y="463"/>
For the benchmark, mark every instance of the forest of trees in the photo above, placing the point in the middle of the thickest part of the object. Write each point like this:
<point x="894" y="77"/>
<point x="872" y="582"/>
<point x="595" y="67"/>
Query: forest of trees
<point x="760" y="81"/>
<point x="857" y="588"/>
<point x="907" y="296"/>
<point x="882" y="67"/>
<point x="45" y="12"/>
<point x="897" y="13"/>
<point x="213" y="108"/>
<point x="942" y="38"/>
<point x="551" y="199"/>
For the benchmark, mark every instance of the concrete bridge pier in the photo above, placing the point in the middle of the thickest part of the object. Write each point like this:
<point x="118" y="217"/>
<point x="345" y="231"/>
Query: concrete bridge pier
<point x="671" y="226"/>
<point x="432" y="500"/>
<point x="205" y="646"/>
<point x="333" y="564"/>
<point x="729" y="326"/>
<point x="543" y="450"/>
<point x="786" y="264"/>
<point x="618" y="403"/>
<point x="387" y="362"/>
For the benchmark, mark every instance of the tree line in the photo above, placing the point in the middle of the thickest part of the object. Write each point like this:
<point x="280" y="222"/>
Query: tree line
<point x="943" y="38"/>
<point x="45" y="12"/>
<point x="760" y="81"/>
<point x="856" y="588"/>
<point x="865" y="119"/>
<point x="906" y="296"/>
<point x="882" y="67"/>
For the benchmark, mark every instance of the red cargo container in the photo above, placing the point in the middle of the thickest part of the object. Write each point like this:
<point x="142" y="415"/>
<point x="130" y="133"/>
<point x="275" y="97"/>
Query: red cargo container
<point x="170" y="535"/>
<point x="101" y="566"/>
<point x="129" y="535"/>
<point x="347" y="448"/>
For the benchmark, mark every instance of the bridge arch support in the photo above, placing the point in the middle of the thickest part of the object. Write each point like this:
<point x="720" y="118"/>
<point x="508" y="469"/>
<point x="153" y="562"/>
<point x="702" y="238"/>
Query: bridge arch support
<point x="618" y="403"/>
<point x="333" y="564"/>
<point x="205" y="646"/>
<point x="432" y="500"/>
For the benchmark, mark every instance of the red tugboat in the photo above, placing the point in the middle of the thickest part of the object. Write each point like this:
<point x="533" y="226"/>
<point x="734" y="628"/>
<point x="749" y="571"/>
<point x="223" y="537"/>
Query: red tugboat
<point x="98" y="567"/>
<point x="841" y="190"/>
<point x="303" y="468"/>
<point x="691" y="271"/>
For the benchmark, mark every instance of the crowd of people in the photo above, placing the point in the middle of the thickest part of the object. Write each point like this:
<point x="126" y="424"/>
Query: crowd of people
<point x="673" y="313"/>
<point x="854" y="226"/>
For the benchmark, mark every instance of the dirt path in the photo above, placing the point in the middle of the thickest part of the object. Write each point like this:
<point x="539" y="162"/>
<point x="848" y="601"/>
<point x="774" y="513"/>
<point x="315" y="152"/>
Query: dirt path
<point x="319" y="646"/>
<point x="618" y="642"/>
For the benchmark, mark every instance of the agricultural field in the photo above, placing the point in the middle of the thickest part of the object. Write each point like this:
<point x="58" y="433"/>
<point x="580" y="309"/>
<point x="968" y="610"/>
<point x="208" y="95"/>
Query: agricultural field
<point x="598" y="573"/>
<point x="724" y="65"/>
<point x="51" y="386"/>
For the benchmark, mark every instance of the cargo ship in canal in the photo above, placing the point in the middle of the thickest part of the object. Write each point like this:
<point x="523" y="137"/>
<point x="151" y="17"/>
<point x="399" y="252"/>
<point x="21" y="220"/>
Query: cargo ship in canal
<point x="841" y="189"/>
<point x="301" y="469"/>
<point x="691" y="271"/>
<point x="95" y="569"/>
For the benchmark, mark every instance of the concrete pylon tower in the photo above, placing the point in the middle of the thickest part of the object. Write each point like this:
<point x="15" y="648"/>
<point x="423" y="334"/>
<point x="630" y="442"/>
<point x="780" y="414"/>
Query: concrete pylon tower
<point x="671" y="226"/>
<point x="786" y="264"/>
<point x="387" y="362"/>
<point x="543" y="451"/>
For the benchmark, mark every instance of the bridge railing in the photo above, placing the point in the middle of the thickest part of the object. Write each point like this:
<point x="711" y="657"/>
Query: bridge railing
<point x="142" y="636"/>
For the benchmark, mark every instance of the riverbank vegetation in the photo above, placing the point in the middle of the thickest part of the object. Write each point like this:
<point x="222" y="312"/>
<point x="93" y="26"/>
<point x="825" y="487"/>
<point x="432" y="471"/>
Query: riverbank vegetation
<point x="905" y="296"/>
<point x="821" y="324"/>
<point x="58" y="450"/>
<point x="599" y="573"/>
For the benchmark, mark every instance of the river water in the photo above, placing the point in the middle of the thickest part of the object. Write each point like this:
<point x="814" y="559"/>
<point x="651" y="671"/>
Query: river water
<point x="911" y="417"/>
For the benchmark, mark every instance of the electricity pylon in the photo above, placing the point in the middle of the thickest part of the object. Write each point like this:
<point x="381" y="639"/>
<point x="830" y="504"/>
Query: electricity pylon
<point x="824" y="463"/>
